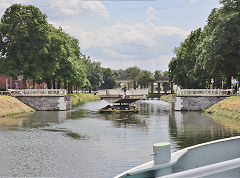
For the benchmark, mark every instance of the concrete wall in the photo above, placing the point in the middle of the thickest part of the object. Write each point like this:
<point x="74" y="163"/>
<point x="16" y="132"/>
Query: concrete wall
<point x="195" y="103"/>
<point x="47" y="103"/>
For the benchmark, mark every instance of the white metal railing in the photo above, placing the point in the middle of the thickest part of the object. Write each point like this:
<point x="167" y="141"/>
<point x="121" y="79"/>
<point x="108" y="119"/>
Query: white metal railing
<point x="38" y="92"/>
<point x="204" y="92"/>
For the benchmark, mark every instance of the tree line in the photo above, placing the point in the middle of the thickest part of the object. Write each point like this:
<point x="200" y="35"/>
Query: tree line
<point x="210" y="53"/>
<point x="34" y="49"/>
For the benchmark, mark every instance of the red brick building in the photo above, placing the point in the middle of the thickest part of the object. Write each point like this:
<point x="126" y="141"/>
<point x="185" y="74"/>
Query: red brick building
<point x="16" y="83"/>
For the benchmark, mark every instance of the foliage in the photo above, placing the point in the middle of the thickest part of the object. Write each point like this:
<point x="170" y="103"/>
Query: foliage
<point x="78" y="99"/>
<point x="94" y="72"/>
<point x="24" y="34"/>
<point x="108" y="78"/>
<point x="145" y="78"/>
<point x="182" y="68"/>
<point x="132" y="73"/>
<point x="36" y="50"/>
<point x="158" y="74"/>
<point x="212" y="53"/>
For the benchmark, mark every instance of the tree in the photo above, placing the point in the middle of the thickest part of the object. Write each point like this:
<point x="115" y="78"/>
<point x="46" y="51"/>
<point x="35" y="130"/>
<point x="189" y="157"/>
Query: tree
<point x="23" y="42"/>
<point x="144" y="78"/>
<point x="220" y="48"/>
<point x="158" y="74"/>
<point x="94" y="73"/>
<point x="132" y="73"/>
<point x="183" y="69"/>
<point x="108" y="78"/>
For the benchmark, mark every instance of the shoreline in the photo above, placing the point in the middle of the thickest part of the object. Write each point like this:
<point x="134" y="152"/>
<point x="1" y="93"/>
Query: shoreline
<point x="227" y="108"/>
<point x="11" y="106"/>
<point x="79" y="99"/>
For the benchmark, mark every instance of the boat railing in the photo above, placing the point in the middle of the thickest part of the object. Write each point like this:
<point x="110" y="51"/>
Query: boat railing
<point x="214" y="170"/>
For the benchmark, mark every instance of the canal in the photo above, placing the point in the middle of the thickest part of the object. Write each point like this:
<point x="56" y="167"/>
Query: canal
<point x="84" y="143"/>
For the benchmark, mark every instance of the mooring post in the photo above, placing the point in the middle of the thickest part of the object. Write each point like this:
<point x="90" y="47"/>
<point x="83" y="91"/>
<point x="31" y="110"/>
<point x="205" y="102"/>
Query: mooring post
<point x="162" y="155"/>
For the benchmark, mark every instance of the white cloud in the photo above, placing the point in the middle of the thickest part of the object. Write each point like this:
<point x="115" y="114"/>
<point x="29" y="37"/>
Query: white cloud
<point x="76" y="7"/>
<point x="63" y="8"/>
<point x="121" y="45"/>
<point x="117" y="45"/>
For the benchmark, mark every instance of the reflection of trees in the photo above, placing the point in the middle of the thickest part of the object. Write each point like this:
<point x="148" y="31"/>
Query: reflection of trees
<point x="35" y="120"/>
<point x="232" y="124"/>
<point x="191" y="128"/>
<point x="125" y="119"/>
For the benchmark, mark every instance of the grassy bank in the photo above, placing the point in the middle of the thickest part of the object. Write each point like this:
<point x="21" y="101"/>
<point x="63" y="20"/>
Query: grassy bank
<point x="11" y="106"/>
<point x="167" y="98"/>
<point x="78" y="99"/>
<point x="227" y="112"/>
<point x="228" y="107"/>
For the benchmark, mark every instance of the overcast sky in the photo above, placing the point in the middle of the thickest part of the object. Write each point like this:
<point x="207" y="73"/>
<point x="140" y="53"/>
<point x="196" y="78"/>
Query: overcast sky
<point x="121" y="34"/>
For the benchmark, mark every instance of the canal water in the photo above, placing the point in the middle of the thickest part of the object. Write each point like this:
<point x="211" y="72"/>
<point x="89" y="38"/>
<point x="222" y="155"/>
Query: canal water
<point x="84" y="143"/>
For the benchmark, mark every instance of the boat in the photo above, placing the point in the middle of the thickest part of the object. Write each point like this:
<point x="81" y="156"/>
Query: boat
<point x="120" y="106"/>
<point x="220" y="158"/>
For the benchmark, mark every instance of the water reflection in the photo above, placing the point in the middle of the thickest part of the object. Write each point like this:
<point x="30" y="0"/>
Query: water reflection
<point x="125" y="119"/>
<point x="77" y="143"/>
<point x="35" y="120"/>
<point x="191" y="128"/>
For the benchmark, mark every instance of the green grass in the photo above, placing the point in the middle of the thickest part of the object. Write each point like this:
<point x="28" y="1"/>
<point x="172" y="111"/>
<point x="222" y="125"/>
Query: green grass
<point x="227" y="108"/>
<point x="167" y="98"/>
<point x="68" y="133"/>
<point x="78" y="99"/>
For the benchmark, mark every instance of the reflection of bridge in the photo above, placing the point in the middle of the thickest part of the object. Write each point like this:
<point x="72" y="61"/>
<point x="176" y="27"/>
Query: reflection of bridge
<point x="112" y="95"/>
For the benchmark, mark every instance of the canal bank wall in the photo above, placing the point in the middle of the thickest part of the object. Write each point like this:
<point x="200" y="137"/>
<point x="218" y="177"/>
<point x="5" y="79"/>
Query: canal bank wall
<point x="78" y="99"/>
<point x="47" y="103"/>
<point x="12" y="106"/>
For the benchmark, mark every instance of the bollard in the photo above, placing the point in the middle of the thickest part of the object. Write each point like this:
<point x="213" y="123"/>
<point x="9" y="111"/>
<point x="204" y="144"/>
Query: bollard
<point x="162" y="155"/>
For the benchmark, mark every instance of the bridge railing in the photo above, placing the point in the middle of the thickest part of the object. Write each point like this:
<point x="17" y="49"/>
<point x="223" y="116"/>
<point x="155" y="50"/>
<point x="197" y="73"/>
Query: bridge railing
<point x="4" y="93"/>
<point x="133" y="92"/>
<point x="38" y="92"/>
<point x="204" y="92"/>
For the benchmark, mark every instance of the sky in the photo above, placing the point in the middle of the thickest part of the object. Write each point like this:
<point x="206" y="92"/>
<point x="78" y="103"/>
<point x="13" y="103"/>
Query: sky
<point x="126" y="33"/>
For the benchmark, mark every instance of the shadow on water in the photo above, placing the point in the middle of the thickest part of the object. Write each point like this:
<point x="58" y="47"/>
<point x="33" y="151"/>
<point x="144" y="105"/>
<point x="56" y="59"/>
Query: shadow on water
<point x="191" y="128"/>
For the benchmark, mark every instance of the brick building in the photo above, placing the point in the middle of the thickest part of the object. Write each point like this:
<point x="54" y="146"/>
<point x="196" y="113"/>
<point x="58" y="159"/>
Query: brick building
<point x="16" y="83"/>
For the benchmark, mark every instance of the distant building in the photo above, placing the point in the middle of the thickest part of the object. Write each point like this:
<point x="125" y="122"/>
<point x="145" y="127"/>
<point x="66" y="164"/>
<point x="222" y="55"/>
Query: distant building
<point x="16" y="83"/>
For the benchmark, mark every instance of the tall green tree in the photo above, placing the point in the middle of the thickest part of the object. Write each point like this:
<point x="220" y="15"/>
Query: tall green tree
<point x="158" y="74"/>
<point x="108" y="78"/>
<point x="220" y="49"/>
<point x="24" y="34"/>
<point x="145" y="78"/>
<point x="132" y="73"/>
<point x="183" y="68"/>
<point x="94" y="73"/>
